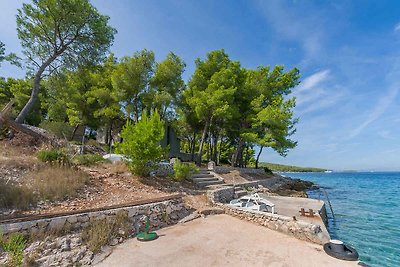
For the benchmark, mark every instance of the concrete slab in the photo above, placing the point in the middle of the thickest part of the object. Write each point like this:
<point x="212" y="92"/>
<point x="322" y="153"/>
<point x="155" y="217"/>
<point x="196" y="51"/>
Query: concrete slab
<point x="290" y="206"/>
<point x="221" y="240"/>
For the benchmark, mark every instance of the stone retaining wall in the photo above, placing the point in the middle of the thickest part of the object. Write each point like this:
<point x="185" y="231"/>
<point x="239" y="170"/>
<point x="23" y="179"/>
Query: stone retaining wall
<point x="226" y="193"/>
<point x="160" y="213"/>
<point x="299" y="229"/>
<point x="221" y="195"/>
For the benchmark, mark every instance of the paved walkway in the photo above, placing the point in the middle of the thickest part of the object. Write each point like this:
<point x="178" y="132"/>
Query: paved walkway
<point x="221" y="240"/>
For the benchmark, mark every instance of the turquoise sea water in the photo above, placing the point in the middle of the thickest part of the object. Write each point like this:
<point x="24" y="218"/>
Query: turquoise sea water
<point x="367" y="212"/>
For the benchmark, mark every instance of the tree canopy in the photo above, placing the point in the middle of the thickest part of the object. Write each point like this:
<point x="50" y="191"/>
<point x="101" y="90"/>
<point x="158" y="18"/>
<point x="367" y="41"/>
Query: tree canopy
<point x="223" y="113"/>
<point x="241" y="107"/>
<point x="56" y="34"/>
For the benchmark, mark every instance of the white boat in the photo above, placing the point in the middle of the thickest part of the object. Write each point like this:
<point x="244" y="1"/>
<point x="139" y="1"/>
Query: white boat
<point x="254" y="202"/>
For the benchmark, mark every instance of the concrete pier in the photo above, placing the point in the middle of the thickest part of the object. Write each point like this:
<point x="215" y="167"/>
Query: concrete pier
<point x="290" y="206"/>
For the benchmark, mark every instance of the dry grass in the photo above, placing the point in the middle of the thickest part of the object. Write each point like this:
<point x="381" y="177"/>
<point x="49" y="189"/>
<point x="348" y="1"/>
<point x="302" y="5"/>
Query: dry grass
<point x="117" y="167"/>
<point x="47" y="183"/>
<point x="21" y="163"/>
<point x="14" y="196"/>
<point x="98" y="234"/>
<point x="57" y="183"/>
<point x="101" y="232"/>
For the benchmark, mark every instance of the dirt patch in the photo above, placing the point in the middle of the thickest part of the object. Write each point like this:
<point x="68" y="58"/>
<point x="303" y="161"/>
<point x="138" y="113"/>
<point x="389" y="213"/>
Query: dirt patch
<point x="108" y="184"/>
<point x="19" y="144"/>
<point x="236" y="177"/>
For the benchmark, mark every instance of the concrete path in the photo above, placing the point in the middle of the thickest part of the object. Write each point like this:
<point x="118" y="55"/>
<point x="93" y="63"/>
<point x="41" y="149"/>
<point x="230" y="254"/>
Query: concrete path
<point x="221" y="240"/>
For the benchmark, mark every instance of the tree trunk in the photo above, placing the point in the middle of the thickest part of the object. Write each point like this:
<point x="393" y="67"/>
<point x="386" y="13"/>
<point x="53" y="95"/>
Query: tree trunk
<point x="110" y="137"/>
<point x="36" y="86"/>
<point x="136" y="113"/>
<point x="193" y="147"/>
<point x="215" y="150"/>
<point x="220" y="152"/>
<point x="246" y="156"/>
<point x="20" y="128"/>
<point x="74" y="132"/>
<point x="208" y="149"/>
<point x="237" y="158"/>
<point x="258" y="156"/>
<point x="203" y="139"/>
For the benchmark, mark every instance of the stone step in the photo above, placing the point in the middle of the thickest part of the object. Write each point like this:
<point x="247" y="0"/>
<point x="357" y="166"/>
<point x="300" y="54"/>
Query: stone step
<point x="201" y="175"/>
<point x="203" y="179"/>
<point x="206" y="183"/>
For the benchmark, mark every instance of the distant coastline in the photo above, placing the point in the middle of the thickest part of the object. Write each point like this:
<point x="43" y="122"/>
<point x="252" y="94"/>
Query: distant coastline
<point x="288" y="168"/>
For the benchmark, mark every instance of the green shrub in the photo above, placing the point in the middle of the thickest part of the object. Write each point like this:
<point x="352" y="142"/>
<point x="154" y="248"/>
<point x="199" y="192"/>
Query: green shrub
<point x="267" y="170"/>
<point x="88" y="159"/>
<point x="53" y="156"/>
<point x="184" y="170"/>
<point x="141" y="143"/>
<point x="60" y="129"/>
<point x="14" y="245"/>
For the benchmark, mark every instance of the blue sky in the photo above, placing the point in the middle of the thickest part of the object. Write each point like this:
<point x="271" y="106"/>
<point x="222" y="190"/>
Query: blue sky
<point x="348" y="53"/>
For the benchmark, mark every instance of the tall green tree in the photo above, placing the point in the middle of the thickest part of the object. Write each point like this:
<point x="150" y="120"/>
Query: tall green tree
<point x="167" y="84"/>
<point x="266" y="118"/>
<point x="12" y="57"/>
<point x="75" y="94"/>
<point x="131" y="80"/>
<point x="274" y="127"/>
<point x="56" y="33"/>
<point x="85" y="97"/>
<point x="212" y="89"/>
<point x="103" y="97"/>
<point x="2" y="52"/>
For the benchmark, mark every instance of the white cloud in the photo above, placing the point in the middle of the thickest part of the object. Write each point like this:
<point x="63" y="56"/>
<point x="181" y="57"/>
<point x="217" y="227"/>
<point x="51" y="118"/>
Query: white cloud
<point x="327" y="100"/>
<point x="313" y="80"/>
<point x="314" y="94"/>
<point x="294" y="26"/>
<point x="397" y="27"/>
<point x="376" y="112"/>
